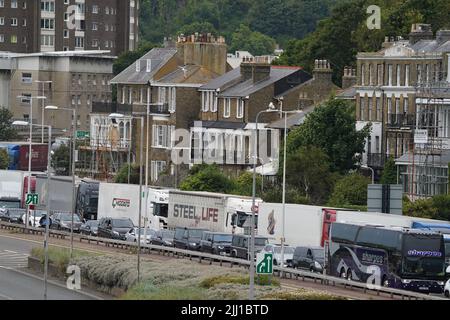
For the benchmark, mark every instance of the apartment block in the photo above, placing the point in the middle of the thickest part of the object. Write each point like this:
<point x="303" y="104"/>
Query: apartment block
<point x="29" y="26"/>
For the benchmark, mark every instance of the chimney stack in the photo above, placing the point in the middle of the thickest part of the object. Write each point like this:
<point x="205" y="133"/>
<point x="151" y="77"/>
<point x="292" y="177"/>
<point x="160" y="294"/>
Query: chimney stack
<point x="257" y="70"/>
<point x="322" y="70"/>
<point x="420" y="31"/>
<point x="349" y="78"/>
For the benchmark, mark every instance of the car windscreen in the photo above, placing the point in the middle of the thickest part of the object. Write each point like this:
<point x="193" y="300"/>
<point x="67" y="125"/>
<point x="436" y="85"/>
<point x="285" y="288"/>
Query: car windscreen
<point x="195" y="233"/>
<point x="167" y="234"/>
<point x="93" y="202"/>
<point x="68" y="217"/>
<point x="260" y="241"/>
<point x="15" y="213"/>
<point x="9" y="204"/>
<point x="287" y="250"/>
<point x="223" y="237"/>
<point x="92" y="223"/>
<point x="122" y="223"/>
<point x="147" y="231"/>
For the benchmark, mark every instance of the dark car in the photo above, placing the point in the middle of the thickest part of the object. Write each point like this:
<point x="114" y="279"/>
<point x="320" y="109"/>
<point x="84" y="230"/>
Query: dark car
<point x="114" y="228"/>
<point x="216" y="243"/>
<point x="13" y="215"/>
<point x="240" y="245"/>
<point x="189" y="239"/>
<point x="309" y="258"/>
<point x="63" y="221"/>
<point x="89" y="228"/>
<point x="163" y="238"/>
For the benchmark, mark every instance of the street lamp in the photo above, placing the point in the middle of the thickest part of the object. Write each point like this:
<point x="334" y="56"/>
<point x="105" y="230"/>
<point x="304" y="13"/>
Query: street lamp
<point x="24" y="123"/>
<point x="118" y="115"/>
<point x="43" y="105"/>
<point x="74" y="115"/>
<point x="252" y="242"/>
<point x="30" y="153"/>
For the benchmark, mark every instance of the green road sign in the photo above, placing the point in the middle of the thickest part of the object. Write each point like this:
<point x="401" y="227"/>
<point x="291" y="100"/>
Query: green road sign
<point x="32" y="199"/>
<point x="82" y="134"/>
<point x="264" y="263"/>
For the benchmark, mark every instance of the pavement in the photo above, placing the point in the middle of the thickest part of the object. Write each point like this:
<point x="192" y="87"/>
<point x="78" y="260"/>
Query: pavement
<point x="17" y="284"/>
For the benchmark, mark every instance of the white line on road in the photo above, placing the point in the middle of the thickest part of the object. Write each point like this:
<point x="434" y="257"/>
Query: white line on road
<point x="10" y="251"/>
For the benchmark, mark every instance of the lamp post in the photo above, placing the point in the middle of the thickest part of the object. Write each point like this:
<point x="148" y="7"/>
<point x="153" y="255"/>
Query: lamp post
<point x="74" y="139"/>
<point x="44" y="82"/>
<point x="30" y="152"/>
<point x="373" y="172"/>
<point x="23" y="123"/>
<point x="252" y="242"/>
<point x="118" y="115"/>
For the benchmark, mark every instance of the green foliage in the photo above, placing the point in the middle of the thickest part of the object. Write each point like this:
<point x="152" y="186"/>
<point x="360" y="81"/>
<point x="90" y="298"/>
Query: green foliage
<point x="252" y="41"/>
<point x="262" y="280"/>
<point x="7" y="131"/>
<point x="61" y="160"/>
<point x="309" y="173"/>
<point x="244" y="184"/>
<point x="122" y="175"/>
<point x="59" y="257"/>
<point x="389" y="175"/>
<point x="275" y="194"/>
<point x="207" y="178"/>
<point x="280" y="19"/>
<point x="4" y="159"/>
<point x="422" y="208"/>
<point x="339" y="37"/>
<point x="442" y="205"/>
<point x="350" y="190"/>
<point x="147" y="291"/>
<point x="200" y="27"/>
<point x="331" y="127"/>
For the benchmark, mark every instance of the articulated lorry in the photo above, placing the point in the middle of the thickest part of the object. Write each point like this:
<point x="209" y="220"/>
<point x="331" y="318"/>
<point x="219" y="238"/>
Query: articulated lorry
<point x="18" y="153"/>
<point x="310" y="225"/>
<point x="62" y="191"/>
<point x="14" y="187"/>
<point x="213" y="211"/>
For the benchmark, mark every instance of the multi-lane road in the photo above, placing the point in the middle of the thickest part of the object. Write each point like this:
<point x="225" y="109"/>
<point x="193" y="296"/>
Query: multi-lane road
<point x="15" y="284"/>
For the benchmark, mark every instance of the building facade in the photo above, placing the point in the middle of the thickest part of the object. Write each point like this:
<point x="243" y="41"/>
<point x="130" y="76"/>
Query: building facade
<point x="387" y="85"/>
<point x="72" y="79"/>
<point x="28" y="26"/>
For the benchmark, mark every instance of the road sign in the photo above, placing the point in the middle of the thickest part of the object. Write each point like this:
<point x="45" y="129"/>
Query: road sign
<point x="264" y="263"/>
<point x="32" y="199"/>
<point x="82" y="134"/>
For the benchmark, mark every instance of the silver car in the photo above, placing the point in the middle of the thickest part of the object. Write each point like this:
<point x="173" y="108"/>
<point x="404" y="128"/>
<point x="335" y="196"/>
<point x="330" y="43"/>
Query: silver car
<point x="275" y="250"/>
<point x="146" y="234"/>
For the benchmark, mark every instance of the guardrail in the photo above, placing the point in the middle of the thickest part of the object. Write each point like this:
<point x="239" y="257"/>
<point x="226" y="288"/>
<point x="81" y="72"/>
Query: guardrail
<point x="281" y="272"/>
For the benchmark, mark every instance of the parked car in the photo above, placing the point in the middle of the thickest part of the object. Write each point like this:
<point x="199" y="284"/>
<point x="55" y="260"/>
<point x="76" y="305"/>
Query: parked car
<point x="187" y="238"/>
<point x="216" y="243"/>
<point x="447" y="289"/>
<point x="309" y="258"/>
<point x="275" y="250"/>
<point x="12" y="215"/>
<point x="90" y="228"/>
<point x="63" y="221"/>
<point x="114" y="228"/>
<point x="163" y="238"/>
<point x="240" y="245"/>
<point x="146" y="233"/>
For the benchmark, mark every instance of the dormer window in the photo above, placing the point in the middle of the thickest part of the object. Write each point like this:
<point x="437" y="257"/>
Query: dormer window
<point x="149" y="65"/>
<point x="138" y="66"/>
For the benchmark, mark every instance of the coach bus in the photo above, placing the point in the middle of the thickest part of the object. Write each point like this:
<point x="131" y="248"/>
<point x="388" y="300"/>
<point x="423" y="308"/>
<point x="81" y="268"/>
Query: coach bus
<point x="437" y="227"/>
<point x="408" y="259"/>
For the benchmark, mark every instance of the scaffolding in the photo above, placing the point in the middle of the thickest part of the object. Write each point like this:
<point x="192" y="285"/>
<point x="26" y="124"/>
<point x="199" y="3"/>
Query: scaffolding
<point x="427" y="174"/>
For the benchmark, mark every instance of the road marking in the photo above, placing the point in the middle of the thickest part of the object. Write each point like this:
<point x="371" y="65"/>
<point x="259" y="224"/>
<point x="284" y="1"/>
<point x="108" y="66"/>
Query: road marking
<point x="5" y="297"/>
<point x="13" y="260"/>
<point x="10" y="251"/>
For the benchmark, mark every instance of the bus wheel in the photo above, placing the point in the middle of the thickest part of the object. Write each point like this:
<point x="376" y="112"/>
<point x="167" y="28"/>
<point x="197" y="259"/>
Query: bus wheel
<point x="349" y="274"/>
<point x="343" y="274"/>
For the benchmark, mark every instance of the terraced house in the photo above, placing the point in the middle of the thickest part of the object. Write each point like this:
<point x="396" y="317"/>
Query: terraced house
<point x="162" y="86"/>
<point x="387" y="85"/>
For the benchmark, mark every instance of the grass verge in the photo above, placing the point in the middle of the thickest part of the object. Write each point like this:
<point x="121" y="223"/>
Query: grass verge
<point x="58" y="256"/>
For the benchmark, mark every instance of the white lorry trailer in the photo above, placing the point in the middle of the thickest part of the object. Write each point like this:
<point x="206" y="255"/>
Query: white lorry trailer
<point x="310" y="225"/>
<point x="213" y="211"/>
<point x="11" y="188"/>
<point x="117" y="200"/>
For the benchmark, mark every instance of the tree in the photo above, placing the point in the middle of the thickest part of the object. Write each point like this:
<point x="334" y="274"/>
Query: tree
<point x="207" y="178"/>
<point x="252" y="41"/>
<point x="309" y="173"/>
<point x="274" y="193"/>
<point x="389" y="175"/>
<point x="4" y="159"/>
<point x="244" y="184"/>
<point x="421" y="208"/>
<point x="61" y="160"/>
<point x="350" y="190"/>
<point x="442" y="205"/>
<point x="200" y="27"/>
<point x="122" y="175"/>
<point x="7" y="131"/>
<point x="332" y="128"/>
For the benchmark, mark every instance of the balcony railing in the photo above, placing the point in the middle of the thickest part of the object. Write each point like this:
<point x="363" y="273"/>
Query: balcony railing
<point x="375" y="160"/>
<point x="160" y="108"/>
<point x="401" y="120"/>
